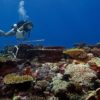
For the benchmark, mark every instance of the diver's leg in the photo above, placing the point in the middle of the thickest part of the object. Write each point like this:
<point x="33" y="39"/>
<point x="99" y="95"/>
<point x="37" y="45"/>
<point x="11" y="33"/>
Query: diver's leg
<point x="2" y="33"/>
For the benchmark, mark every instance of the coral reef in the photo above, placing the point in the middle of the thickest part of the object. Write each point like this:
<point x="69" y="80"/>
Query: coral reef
<point x="68" y="78"/>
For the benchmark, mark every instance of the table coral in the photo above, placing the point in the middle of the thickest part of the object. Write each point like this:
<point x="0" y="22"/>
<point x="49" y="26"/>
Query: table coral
<point x="76" y="53"/>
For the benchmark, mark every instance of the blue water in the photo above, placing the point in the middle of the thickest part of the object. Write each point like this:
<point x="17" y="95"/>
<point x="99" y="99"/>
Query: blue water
<point x="59" y="22"/>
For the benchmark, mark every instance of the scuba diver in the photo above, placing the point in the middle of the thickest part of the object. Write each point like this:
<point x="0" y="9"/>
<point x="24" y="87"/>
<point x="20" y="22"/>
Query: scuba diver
<point x="20" y="30"/>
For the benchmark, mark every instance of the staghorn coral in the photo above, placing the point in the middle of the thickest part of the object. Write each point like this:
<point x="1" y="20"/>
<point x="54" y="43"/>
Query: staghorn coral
<point x="14" y="78"/>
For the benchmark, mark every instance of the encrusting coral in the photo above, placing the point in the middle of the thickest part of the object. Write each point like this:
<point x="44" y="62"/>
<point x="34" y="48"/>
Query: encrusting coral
<point x="14" y="78"/>
<point x="76" y="53"/>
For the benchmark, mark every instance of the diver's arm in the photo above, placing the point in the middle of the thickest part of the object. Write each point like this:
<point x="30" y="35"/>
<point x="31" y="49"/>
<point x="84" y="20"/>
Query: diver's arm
<point x="10" y="33"/>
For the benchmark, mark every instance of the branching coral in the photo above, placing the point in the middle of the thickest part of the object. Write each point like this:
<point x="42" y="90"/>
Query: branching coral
<point x="80" y="73"/>
<point x="59" y="85"/>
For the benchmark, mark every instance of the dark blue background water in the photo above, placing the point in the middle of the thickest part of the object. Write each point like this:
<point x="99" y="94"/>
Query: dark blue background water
<point x="59" y="22"/>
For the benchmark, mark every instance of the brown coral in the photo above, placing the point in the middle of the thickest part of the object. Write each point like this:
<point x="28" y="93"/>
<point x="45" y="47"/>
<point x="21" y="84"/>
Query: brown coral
<point x="98" y="93"/>
<point x="76" y="53"/>
<point x="94" y="95"/>
<point x="96" y="52"/>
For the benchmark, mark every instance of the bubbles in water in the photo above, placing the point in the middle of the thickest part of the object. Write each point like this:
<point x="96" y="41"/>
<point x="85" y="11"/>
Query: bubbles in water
<point x="22" y="11"/>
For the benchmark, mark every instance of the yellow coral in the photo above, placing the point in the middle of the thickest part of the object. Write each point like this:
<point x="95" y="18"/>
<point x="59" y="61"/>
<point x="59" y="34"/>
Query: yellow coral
<point x="92" y="93"/>
<point x="14" y="78"/>
<point x="73" y="52"/>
